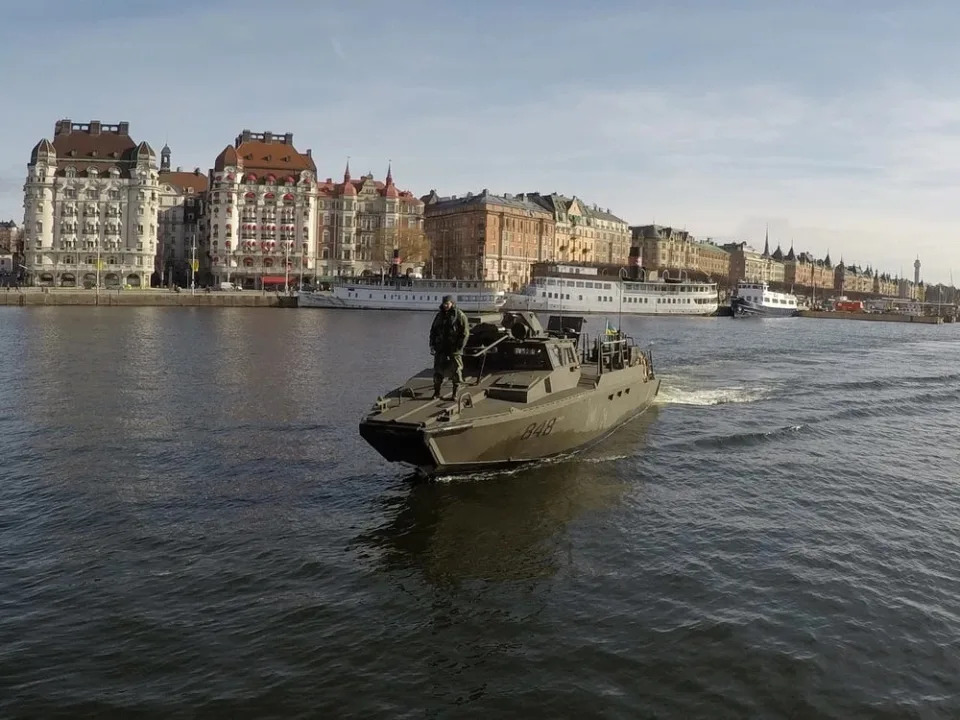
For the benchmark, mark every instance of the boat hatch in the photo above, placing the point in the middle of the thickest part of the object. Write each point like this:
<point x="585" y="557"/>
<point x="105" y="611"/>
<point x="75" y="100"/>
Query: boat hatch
<point x="516" y="380"/>
<point x="518" y="387"/>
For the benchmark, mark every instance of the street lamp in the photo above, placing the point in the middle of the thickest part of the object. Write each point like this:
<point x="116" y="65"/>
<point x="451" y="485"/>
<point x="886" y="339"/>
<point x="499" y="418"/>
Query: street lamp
<point x="303" y="261"/>
<point x="193" y="262"/>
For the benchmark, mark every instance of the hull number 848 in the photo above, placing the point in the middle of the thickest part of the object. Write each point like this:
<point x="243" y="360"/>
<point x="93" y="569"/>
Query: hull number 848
<point x="534" y="430"/>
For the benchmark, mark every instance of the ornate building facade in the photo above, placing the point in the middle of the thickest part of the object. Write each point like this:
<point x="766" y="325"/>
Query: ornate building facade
<point x="752" y="266"/>
<point x="90" y="208"/>
<point x="667" y="249"/>
<point x="852" y="279"/>
<point x="180" y="222"/>
<point x="885" y="285"/>
<point x="803" y="271"/>
<point x="362" y="221"/>
<point x="262" y="213"/>
<point x="583" y="233"/>
<point x="9" y="237"/>
<point x="486" y="236"/>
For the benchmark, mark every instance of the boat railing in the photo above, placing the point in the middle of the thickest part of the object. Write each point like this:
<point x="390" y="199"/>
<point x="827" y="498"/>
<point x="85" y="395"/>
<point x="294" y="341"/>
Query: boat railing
<point x="482" y="352"/>
<point x="616" y="353"/>
<point x="417" y="283"/>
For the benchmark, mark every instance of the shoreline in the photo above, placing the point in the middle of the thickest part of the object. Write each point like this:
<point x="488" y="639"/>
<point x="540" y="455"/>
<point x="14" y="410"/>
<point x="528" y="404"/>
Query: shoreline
<point x="39" y="297"/>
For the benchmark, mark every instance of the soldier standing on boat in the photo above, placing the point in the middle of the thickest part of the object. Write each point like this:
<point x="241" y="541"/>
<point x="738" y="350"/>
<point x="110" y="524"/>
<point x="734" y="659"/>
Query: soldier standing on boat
<point x="448" y="337"/>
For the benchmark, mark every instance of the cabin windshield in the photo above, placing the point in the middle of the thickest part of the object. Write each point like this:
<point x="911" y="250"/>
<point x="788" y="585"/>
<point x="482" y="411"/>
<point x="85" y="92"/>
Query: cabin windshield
<point x="527" y="356"/>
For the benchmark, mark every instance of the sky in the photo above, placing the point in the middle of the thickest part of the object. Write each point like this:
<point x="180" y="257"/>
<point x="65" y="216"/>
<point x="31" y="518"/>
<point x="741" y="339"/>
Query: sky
<point x="832" y="124"/>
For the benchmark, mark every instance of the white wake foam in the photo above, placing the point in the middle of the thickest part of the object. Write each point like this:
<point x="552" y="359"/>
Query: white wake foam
<point x="709" y="396"/>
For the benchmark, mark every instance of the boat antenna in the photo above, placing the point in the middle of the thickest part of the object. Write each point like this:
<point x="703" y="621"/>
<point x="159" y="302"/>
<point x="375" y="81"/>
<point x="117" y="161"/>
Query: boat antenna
<point x="620" y="307"/>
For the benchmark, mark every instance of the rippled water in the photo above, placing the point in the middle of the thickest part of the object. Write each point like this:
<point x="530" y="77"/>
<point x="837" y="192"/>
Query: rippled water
<point x="191" y="527"/>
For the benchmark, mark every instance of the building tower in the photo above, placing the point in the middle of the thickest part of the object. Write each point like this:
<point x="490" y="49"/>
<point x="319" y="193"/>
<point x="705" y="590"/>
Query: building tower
<point x="916" y="271"/>
<point x="165" y="158"/>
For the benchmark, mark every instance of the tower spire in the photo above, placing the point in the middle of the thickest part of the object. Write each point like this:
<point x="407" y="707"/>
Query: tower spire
<point x="346" y="173"/>
<point x="389" y="172"/>
<point x="766" y="242"/>
<point x="165" y="158"/>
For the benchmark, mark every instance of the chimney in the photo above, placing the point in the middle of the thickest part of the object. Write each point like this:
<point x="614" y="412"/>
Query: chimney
<point x="243" y="137"/>
<point x="94" y="127"/>
<point x="288" y="140"/>
<point x="123" y="128"/>
<point x="309" y="151"/>
<point x="633" y="261"/>
<point x="267" y="136"/>
<point x="507" y="196"/>
<point x="63" y="127"/>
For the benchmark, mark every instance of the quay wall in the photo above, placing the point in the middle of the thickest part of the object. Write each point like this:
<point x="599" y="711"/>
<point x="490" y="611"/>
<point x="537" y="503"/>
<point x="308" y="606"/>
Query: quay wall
<point x="871" y="317"/>
<point x="132" y="298"/>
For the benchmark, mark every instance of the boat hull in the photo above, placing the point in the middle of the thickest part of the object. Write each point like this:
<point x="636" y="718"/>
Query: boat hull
<point x="742" y="308"/>
<point x="518" y="436"/>
<point x="391" y="301"/>
<point x="518" y="301"/>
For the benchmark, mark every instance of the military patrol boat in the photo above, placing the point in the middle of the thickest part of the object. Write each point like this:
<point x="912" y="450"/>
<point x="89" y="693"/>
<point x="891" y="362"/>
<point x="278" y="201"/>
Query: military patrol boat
<point x="528" y="394"/>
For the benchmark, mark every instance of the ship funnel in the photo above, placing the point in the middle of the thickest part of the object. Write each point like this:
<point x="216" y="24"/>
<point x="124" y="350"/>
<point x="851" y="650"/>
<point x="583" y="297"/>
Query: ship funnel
<point x="633" y="263"/>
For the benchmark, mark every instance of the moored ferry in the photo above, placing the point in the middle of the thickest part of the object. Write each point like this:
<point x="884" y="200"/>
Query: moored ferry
<point x="405" y="293"/>
<point x="581" y="288"/>
<point x="756" y="299"/>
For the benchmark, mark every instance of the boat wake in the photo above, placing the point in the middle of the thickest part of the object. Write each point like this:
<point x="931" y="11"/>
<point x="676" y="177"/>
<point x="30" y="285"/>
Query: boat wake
<point x="713" y="396"/>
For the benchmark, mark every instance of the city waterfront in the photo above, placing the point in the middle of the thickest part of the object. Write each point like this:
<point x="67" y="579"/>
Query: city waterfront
<point x="144" y="298"/>
<point x="192" y="527"/>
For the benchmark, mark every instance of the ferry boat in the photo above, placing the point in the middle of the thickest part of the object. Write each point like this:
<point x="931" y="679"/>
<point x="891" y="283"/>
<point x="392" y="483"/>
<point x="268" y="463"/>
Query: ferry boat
<point x="581" y="289"/>
<point x="405" y="293"/>
<point x="756" y="299"/>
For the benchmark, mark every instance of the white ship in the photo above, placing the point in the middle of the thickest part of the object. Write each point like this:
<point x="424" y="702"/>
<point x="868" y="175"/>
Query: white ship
<point x="405" y="293"/>
<point x="581" y="289"/>
<point x="756" y="299"/>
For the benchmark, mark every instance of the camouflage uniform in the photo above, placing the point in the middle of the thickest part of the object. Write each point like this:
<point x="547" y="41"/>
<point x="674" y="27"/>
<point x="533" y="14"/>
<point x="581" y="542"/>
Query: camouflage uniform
<point x="448" y="337"/>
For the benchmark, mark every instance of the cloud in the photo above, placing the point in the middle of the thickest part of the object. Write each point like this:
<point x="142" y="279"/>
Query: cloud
<point x="839" y="124"/>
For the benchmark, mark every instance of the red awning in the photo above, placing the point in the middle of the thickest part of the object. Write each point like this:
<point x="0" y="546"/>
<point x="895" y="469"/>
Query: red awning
<point x="273" y="279"/>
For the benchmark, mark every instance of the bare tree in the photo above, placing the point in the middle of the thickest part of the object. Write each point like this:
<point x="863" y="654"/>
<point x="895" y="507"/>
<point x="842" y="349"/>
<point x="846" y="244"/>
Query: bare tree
<point x="412" y="243"/>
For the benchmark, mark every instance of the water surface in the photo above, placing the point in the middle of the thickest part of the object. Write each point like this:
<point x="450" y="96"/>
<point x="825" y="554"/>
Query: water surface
<point x="192" y="527"/>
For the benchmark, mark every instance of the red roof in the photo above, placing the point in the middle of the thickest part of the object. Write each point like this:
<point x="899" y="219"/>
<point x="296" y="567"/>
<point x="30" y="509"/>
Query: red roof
<point x="195" y="181"/>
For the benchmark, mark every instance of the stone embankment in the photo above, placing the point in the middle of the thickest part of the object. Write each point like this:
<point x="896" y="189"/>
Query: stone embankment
<point x="143" y="298"/>
<point x="871" y="317"/>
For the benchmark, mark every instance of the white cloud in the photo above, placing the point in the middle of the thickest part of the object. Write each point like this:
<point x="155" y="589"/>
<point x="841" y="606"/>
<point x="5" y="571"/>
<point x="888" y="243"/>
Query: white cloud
<point x="867" y="169"/>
